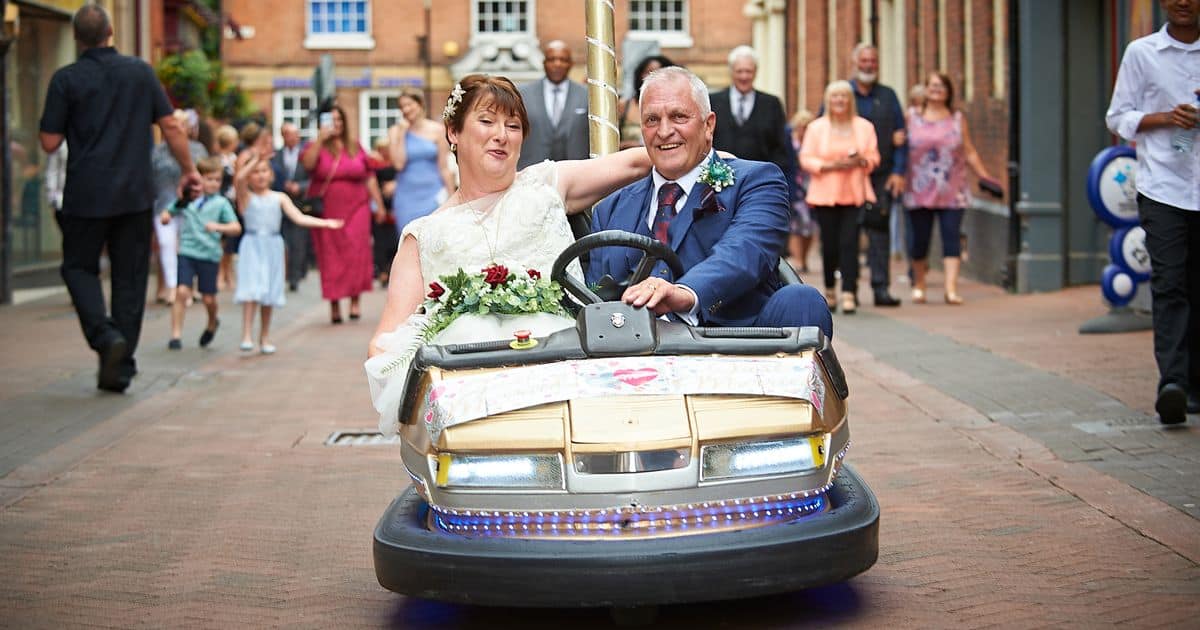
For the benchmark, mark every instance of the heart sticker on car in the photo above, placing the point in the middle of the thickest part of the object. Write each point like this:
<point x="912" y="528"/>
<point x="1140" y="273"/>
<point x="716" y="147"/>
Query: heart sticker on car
<point x="636" y="377"/>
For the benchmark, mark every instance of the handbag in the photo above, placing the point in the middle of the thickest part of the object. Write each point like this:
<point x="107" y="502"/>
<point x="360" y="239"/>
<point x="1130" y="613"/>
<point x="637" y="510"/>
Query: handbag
<point x="315" y="206"/>
<point x="873" y="215"/>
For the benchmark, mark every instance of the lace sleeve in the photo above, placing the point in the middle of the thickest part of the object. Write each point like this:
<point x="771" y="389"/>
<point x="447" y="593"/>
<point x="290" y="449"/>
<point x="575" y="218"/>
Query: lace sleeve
<point x="544" y="172"/>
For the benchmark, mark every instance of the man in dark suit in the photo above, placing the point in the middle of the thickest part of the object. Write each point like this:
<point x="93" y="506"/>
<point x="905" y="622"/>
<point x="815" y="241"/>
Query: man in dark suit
<point x="751" y="124"/>
<point x="291" y="178"/>
<point x="728" y="239"/>
<point x="557" y="109"/>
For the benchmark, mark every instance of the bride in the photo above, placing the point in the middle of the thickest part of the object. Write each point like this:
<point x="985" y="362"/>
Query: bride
<point x="497" y="216"/>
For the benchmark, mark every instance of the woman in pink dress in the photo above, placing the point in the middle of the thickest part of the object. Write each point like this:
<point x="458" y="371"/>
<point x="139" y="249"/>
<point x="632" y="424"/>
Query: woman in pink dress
<point x="939" y="153"/>
<point x="340" y="173"/>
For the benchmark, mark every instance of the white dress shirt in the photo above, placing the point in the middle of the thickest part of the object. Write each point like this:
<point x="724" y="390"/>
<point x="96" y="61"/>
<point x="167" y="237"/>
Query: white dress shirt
<point x="686" y="182"/>
<point x="551" y="92"/>
<point x="738" y="99"/>
<point x="1158" y="73"/>
<point x="290" y="158"/>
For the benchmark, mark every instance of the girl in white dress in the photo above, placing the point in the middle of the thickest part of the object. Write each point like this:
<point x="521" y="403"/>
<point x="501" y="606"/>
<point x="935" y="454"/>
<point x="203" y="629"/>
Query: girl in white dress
<point x="498" y="215"/>
<point x="260" y="262"/>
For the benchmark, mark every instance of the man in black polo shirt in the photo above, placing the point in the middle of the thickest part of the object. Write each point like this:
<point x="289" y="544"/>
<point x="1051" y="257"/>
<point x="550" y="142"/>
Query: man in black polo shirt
<point x="103" y="105"/>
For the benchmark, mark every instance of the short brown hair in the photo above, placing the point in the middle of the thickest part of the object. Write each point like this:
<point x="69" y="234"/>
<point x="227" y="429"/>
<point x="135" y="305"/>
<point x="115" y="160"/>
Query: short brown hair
<point x="210" y="164"/>
<point x="488" y="91"/>
<point x="250" y="133"/>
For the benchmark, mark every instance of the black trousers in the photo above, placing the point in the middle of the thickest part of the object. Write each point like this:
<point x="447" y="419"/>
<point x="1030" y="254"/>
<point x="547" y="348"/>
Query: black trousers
<point x="1173" y="241"/>
<point x="839" y="244"/>
<point x="295" y="241"/>
<point x="127" y="238"/>
<point x="879" y="240"/>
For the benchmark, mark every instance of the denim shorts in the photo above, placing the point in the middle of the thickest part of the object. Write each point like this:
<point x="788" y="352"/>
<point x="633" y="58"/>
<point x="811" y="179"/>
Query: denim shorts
<point x="203" y="272"/>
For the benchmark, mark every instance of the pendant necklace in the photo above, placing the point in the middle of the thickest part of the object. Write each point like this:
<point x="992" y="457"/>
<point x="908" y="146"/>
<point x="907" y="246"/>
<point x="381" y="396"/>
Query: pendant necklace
<point x="480" y="216"/>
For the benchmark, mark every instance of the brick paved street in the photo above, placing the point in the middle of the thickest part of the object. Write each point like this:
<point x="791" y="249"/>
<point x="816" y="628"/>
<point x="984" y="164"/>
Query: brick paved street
<point x="1021" y="479"/>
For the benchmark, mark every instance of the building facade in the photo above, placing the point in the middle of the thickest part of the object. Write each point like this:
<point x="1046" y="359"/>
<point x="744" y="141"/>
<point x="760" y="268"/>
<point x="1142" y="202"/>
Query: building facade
<point x="1036" y="130"/>
<point x="377" y="47"/>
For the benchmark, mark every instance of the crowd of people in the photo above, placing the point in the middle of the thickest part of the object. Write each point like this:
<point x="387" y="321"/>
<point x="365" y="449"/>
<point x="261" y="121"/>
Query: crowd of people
<point x="233" y="212"/>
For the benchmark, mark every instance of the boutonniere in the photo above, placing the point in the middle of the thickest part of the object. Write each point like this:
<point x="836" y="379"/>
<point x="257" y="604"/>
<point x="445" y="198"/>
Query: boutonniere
<point x="717" y="174"/>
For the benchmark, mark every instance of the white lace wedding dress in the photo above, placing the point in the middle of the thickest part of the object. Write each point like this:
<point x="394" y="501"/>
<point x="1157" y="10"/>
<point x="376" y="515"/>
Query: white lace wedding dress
<point x="526" y="229"/>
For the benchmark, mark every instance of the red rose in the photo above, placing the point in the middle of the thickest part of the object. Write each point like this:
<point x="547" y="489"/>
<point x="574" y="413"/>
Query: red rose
<point x="534" y="273"/>
<point x="495" y="275"/>
<point x="436" y="290"/>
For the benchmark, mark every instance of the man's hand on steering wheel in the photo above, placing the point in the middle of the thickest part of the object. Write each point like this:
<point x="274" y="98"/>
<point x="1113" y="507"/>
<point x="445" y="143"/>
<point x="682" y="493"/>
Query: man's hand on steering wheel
<point x="659" y="296"/>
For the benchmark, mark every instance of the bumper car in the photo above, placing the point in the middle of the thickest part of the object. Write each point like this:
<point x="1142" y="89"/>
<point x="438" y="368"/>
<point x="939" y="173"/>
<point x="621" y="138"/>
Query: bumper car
<point x="626" y="462"/>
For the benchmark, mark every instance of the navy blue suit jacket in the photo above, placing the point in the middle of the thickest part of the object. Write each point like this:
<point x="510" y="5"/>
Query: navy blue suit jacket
<point x="730" y="256"/>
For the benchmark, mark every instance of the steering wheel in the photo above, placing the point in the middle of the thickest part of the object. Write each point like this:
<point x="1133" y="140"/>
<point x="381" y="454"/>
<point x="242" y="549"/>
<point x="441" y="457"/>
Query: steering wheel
<point x="652" y="252"/>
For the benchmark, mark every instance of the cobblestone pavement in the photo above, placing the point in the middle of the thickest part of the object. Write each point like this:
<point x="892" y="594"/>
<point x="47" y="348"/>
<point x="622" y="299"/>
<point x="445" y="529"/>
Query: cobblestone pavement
<point x="1005" y="451"/>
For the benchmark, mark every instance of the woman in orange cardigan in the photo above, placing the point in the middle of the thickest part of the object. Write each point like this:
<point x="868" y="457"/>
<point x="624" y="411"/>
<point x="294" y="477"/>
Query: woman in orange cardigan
<point x="839" y="150"/>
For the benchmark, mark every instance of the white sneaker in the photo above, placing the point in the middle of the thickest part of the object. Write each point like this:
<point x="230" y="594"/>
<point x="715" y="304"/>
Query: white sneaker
<point x="246" y="346"/>
<point x="268" y="349"/>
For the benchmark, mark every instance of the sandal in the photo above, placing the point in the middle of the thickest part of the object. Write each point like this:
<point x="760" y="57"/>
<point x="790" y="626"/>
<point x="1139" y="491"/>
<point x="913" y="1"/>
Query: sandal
<point x="954" y="299"/>
<point x="831" y="299"/>
<point x="918" y="296"/>
<point x="849" y="303"/>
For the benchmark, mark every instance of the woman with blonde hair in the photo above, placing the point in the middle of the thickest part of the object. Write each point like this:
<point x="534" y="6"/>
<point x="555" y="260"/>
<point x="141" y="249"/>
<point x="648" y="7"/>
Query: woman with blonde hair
<point x="839" y="151"/>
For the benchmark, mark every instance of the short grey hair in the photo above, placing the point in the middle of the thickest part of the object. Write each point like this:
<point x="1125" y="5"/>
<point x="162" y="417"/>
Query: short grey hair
<point x="859" y="48"/>
<point x="675" y="73"/>
<point x="743" y="52"/>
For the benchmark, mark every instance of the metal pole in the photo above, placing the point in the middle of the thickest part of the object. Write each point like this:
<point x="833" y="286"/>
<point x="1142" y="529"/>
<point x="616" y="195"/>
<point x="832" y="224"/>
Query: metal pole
<point x="427" y="55"/>
<point x="603" y="134"/>
<point x="1014" y="148"/>
<point x="5" y="172"/>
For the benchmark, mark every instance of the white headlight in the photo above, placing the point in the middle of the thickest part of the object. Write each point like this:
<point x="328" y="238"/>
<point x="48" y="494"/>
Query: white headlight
<point x="756" y="459"/>
<point x="500" y="471"/>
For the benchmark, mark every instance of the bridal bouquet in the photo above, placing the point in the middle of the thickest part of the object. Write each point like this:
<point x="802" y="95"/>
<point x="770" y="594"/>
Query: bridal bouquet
<point x="494" y="290"/>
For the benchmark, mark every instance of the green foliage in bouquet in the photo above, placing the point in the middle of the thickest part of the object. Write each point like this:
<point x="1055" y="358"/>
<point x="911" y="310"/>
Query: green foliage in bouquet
<point x="491" y="291"/>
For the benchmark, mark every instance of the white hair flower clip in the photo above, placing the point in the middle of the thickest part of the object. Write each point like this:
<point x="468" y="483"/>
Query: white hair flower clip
<point x="456" y="97"/>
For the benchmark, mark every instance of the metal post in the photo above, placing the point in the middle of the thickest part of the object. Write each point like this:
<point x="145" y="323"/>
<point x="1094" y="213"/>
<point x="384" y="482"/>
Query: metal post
<point x="603" y="134"/>
<point x="5" y="172"/>
<point x="427" y="55"/>
<point x="1014" y="148"/>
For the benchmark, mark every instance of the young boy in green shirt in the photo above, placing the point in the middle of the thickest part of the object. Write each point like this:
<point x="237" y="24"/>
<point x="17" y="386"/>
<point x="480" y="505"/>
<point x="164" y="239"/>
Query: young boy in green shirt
<point x="205" y="218"/>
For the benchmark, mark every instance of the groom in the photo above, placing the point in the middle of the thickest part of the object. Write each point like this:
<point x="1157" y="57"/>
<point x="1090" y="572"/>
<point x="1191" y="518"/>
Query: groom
<point x="728" y="240"/>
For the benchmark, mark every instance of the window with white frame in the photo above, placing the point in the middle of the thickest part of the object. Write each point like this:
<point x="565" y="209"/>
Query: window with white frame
<point x="377" y="111"/>
<point x="503" y="18"/>
<point x="338" y="24"/>
<point x="665" y="21"/>
<point x="296" y="107"/>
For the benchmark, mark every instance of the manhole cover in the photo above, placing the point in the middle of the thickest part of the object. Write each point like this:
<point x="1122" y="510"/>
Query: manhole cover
<point x="364" y="437"/>
<point x="1117" y="425"/>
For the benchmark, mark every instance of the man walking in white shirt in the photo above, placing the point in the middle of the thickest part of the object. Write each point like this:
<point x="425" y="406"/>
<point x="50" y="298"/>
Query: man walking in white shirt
<point x="1154" y="97"/>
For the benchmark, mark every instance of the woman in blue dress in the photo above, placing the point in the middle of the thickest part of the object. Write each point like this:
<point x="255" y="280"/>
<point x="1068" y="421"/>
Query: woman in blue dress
<point x="420" y="154"/>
